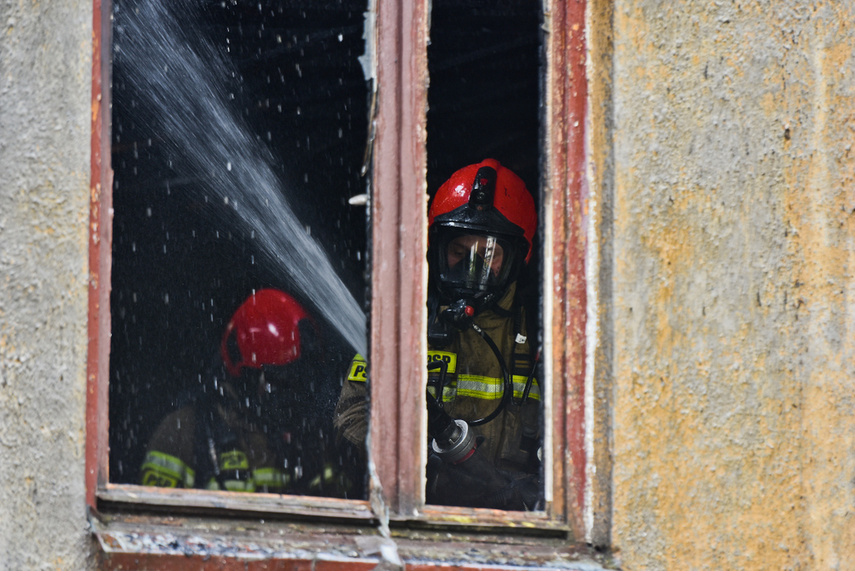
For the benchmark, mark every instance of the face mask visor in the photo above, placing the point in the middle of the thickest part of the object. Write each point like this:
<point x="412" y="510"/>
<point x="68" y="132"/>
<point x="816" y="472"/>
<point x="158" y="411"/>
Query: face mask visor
<point x="474" y="266"/>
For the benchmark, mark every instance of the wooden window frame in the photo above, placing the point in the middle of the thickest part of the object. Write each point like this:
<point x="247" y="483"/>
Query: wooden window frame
<point x="397" y="340"/>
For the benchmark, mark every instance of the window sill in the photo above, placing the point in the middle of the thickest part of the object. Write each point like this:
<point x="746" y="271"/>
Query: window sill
<point x="151" y="541"/>
<point x="124" y="497"/>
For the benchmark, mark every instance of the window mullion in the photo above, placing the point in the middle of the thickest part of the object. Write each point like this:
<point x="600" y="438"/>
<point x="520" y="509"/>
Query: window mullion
<point x="398" y="204"/>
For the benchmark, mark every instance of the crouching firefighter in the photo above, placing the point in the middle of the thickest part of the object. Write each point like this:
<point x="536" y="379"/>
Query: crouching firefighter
<point x="484" y="401"/>
<point x="257" y="424"/>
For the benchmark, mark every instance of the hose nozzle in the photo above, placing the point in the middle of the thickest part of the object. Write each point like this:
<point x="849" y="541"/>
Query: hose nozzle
<point x="453" y="440"/>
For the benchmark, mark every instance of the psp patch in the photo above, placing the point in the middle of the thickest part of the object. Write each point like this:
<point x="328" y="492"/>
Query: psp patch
<point x="450" y="360"/>
<point x="358" y="370"/>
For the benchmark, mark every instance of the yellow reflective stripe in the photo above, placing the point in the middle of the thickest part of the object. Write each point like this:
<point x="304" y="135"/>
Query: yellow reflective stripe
<point x="448" y="392"/>
<point x="490" y="388"/>
<point x="271" y="477"/>
<point x="170" y="467"/>
<point x="325" y="477"/>
<point x="446" y="356"/>
<point x="519" y="387"/>
<point x="234" y="460"/>
<point x="232" y="485"/>
<point x="239" y="485"/>
<point x="358" y="370"/>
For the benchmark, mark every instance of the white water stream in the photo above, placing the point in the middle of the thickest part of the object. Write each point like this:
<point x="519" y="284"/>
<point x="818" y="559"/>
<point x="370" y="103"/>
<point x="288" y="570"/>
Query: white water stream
<point x="184" y="82"/>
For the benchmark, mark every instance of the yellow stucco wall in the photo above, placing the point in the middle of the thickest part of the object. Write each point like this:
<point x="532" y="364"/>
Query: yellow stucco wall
<point x="727" y="194"/>
<point x="723" y="194"/>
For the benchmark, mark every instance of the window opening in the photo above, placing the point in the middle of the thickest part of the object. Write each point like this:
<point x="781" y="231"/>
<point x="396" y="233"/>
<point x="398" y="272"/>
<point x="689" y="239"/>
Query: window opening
<point x="484" y="267"/>
<point x="193" y="241"/>
<point x="483" y="62"/>
<point x="238" y="276"/>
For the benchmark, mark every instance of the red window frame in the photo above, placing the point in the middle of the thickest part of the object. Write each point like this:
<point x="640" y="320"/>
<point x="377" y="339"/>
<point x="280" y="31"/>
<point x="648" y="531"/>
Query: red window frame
<point x="397" y="339"/>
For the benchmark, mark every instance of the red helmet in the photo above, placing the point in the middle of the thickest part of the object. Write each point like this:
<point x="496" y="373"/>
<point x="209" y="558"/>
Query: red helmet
<point x="481" y="224"/>
<point x="265" y="330"/>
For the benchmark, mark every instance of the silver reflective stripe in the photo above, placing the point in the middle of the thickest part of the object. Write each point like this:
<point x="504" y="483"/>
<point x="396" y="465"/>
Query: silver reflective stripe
<point x="490" y="388"/>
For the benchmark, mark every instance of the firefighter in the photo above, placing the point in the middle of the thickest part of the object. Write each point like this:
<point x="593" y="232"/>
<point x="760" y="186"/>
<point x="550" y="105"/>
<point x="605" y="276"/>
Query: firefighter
<point x="261" y="424"/>
<point x="484" y="401"/>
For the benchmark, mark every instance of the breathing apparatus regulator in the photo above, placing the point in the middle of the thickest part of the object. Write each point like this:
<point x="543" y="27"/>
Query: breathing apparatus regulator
<point x="480" y="229"/>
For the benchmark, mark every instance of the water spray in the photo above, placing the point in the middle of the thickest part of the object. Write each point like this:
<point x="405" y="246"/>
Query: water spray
<point x="182" y="78"/>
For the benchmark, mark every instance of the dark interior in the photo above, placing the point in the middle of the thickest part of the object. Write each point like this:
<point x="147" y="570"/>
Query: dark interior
<point x="179" y="271"/>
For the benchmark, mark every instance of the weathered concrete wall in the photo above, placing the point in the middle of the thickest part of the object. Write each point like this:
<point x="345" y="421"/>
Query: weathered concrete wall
<point x="729" y="299"/>
<point x="45" y="99"/>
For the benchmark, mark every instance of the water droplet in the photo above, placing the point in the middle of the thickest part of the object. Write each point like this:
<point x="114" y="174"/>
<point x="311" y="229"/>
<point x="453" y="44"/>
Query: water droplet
<point x="229" y="166"/>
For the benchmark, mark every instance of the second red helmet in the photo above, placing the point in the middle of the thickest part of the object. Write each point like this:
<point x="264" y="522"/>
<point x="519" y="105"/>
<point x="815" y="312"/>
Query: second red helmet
<point x="264" y="330"/>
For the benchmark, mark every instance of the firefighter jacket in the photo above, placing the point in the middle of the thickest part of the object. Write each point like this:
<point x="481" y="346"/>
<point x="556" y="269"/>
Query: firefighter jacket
<point x="207" y="444"/>
<point x="472" y="388"/>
